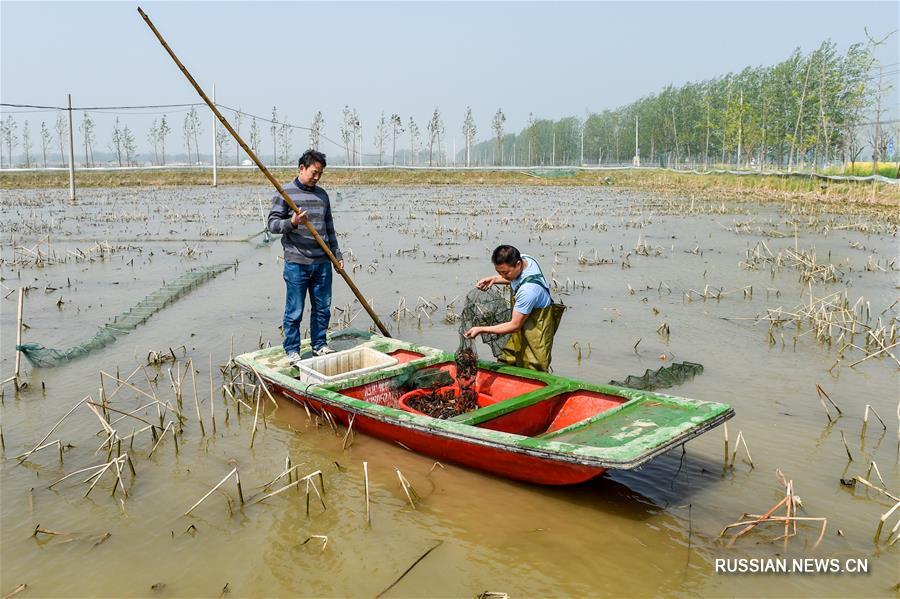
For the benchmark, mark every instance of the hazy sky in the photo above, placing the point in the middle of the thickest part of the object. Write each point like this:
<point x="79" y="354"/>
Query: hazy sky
<point x="552" y="59"/>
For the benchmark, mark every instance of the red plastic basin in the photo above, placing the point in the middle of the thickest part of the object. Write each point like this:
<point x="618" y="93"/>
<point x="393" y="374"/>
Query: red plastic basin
<point x="481" y="399"/>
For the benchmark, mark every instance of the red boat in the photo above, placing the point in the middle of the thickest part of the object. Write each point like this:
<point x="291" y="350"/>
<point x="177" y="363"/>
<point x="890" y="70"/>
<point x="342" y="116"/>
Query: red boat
<point x="529" y="426"/>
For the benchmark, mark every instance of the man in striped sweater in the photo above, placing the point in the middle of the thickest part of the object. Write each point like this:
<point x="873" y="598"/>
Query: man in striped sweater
<point x="306" y="266"/>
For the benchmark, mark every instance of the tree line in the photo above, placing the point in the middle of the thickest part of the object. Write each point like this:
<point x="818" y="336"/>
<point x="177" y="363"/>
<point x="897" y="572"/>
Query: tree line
<point x="808" y="110"/>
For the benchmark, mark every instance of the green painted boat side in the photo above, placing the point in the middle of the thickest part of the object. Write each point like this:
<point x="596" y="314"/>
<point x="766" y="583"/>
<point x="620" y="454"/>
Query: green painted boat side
<point x="644" y="425"/>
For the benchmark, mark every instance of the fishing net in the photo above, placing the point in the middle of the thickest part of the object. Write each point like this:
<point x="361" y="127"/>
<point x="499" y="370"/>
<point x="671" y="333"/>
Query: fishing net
<point x="436" y="392"/>
<point x="484" y="309"/>
<point x="663" y="378"/>
<point x="553" y="173"/>
<point x="493" y="306"/>
<point x="428" y="379"/>
<point x="125" y="322"/>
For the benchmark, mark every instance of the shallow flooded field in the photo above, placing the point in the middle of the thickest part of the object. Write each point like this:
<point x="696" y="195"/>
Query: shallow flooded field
<point x="648" y="280"/>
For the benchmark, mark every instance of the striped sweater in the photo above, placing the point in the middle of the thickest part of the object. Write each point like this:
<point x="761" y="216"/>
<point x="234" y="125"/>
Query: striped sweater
<point x="299" y="244"/>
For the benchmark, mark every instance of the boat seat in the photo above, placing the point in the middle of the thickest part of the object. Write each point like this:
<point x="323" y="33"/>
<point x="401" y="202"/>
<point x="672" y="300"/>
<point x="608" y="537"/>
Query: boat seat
<point x="501" y="408"/>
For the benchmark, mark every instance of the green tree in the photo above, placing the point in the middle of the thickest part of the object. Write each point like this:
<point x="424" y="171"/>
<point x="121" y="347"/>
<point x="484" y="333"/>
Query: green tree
<point x="116" y="145"/>
<point x="8" y="128"/>
<point x="497" y="125"/>
<point x="164" y="131"/>
<point x="315" y="130"/>
<point x="381" y="133"/>
<point x="396" y="129"/>
<point x="87" y="131"/>
<point x="62" y="128"/>
<point x="255" y="137"/>
<point x="46" y="138"/>
<point x="128" y="146"/>
<point x="469" y="131"/>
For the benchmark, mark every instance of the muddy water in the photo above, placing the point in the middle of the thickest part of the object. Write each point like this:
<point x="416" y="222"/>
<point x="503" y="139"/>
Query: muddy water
<point x="649" y="532"/>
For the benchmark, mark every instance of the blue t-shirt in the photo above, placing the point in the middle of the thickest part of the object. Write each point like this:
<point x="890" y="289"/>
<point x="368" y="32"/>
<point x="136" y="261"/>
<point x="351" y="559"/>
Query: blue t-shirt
<point x="530" y="295"/>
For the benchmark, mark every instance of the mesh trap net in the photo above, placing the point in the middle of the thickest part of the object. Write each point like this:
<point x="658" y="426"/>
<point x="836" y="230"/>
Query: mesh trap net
<point x="125" y="322"/>
<point x="662" y="378"/>
<point x="484" y="309"/>
<point x="554" y="173"/>
<point x="427" y="379"/>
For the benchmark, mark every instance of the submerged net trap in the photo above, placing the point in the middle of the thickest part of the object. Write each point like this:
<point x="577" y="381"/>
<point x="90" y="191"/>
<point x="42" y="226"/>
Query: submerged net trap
<point x="662" y="378"/>
<point x="125" y="322"/>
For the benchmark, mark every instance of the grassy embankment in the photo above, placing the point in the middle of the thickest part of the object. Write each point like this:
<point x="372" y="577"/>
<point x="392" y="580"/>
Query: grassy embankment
<point x="864" y="169"/>
<point x="713" y="186"/>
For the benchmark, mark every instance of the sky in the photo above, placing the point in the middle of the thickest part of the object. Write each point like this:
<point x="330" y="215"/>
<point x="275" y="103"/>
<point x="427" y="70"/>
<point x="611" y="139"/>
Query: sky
<point x="551" y="59"/>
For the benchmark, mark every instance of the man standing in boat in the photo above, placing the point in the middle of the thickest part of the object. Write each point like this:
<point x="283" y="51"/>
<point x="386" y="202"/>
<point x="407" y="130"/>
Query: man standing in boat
<point x="535" y="317"/>
<point x="307" y="268"/>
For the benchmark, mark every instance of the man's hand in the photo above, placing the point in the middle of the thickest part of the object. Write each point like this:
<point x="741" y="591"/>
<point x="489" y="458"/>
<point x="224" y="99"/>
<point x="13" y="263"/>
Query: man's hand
<point x="485" y="283"/>
<point x="473" y="332"/>
<point x="341" y="264"/>
<point x="298" y="218"/>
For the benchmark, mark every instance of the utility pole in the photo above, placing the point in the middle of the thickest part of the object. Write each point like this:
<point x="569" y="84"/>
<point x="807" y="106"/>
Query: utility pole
<point x="215" y="131"/>
<point x="71" y="154"/>
<point x="637" y="147"/>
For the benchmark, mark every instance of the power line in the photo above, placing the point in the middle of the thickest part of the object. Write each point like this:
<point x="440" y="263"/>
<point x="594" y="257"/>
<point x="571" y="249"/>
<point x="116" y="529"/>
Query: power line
<point x="887" y="122"/>
<point x="885" y="75"/>
<point x="100" y="108"/>
<point x="876" y="66"/>
<point x="29" y="111"/>
<point x="42" y="108"/>
<point x="291" y="126"/>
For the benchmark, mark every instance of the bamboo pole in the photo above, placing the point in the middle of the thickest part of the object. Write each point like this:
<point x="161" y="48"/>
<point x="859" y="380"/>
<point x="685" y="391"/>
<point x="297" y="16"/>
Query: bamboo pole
<point x="19" y="315"/>
<point x="71" y="150"/>
<point x="269" y="176"/>
<point x="196" y="399"/>
<point x="366" y="479"/>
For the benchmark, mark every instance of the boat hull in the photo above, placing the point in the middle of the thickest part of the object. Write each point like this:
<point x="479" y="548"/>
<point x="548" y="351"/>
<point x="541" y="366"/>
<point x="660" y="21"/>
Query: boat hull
<point x="517" y="466"/>
<point x="529" y="426"/>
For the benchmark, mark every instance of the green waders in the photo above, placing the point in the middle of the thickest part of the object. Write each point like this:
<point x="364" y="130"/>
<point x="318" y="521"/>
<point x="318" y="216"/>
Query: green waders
<point x="530" y="346"/>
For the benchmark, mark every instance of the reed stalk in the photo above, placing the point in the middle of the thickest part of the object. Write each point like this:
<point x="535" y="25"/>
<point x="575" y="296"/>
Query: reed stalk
<point x="366" y="481"/>
<point x="212" y="403"/>
<point x="875" y="488"/>
<point x="211" y="491"/>
<point x="344" y="444"/>
<point x="50" y="432"/>
<point x="190" y="365"/>
<point x="407" y="488"/>
<point x="883" y="519"/>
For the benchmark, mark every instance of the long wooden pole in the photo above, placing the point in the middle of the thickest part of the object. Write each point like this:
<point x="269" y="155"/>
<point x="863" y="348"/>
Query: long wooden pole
<point x="19" y="317"/>
<point x="71" y="152"/>
<point x="269" y="176"/>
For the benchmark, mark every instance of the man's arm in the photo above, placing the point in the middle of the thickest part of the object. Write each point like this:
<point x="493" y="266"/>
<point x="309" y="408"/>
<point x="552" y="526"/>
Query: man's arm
<point x="504" y="328"/>
<point x="486" y="282"/>
<point x="279" y="220"/>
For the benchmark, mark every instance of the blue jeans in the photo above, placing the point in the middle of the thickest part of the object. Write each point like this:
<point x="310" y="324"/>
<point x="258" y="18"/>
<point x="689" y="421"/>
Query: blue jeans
<point x="300" y="278"/>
